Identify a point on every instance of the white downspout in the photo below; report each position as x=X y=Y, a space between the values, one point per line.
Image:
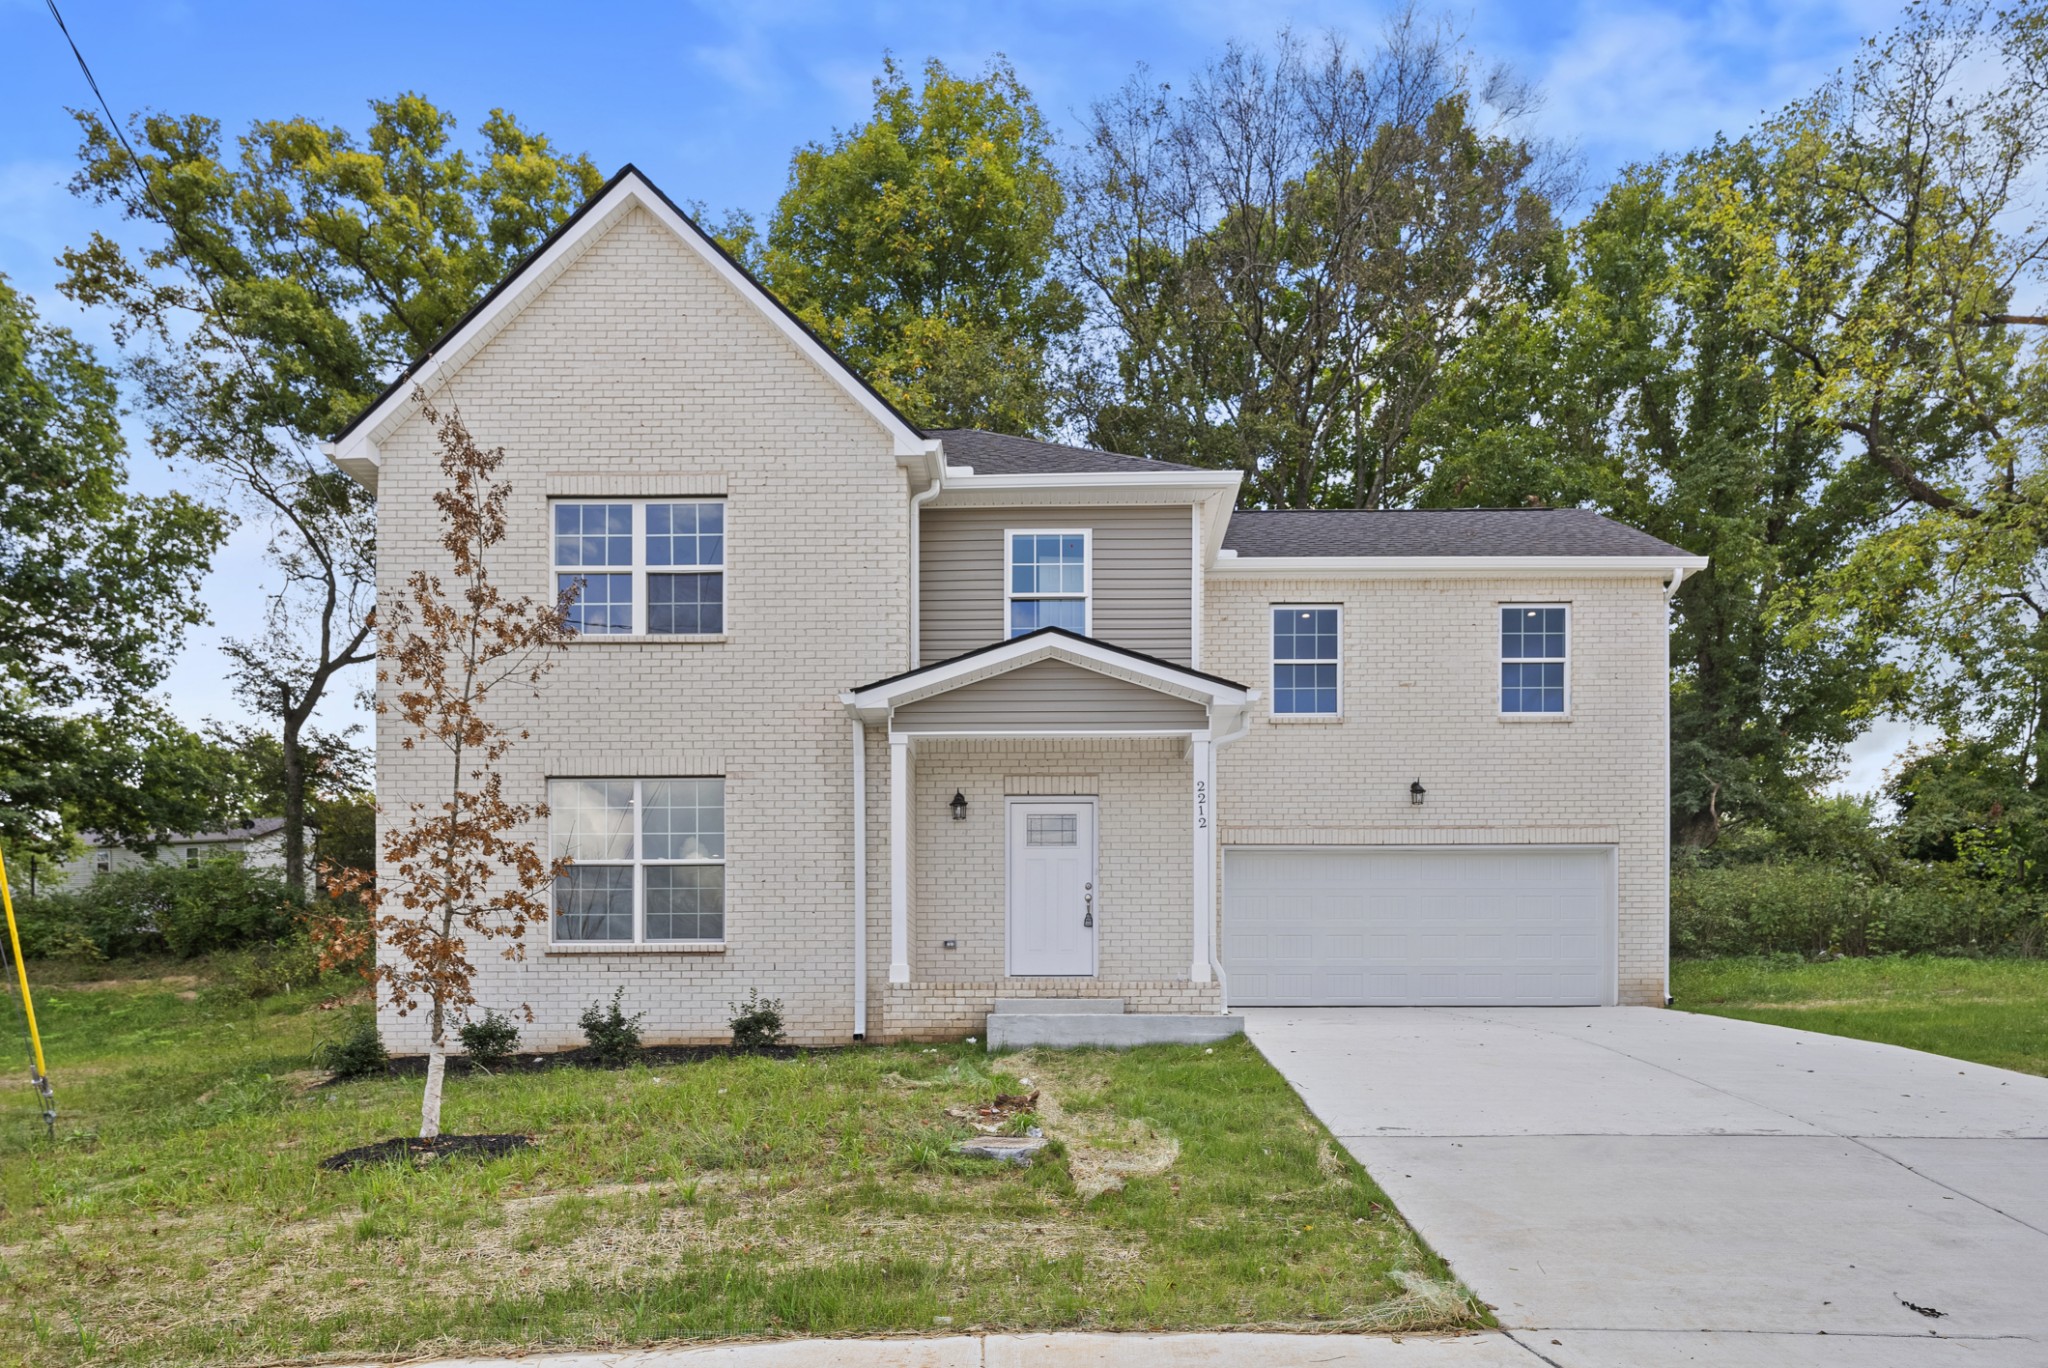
x=860 y=879
x=917 y=503
x=1244 y=726
x=1677 y=578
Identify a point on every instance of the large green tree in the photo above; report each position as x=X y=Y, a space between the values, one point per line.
x=1792 y=351
x=1645 y=389
x=97 y=586
x=918 y=244
x=289 y=276
x=1280 y=262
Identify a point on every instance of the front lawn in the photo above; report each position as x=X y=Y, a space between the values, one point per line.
x=180 y=1215
x=1989 y=1011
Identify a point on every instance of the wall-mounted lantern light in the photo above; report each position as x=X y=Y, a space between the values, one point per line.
x=959 y=806
x=1416 y=792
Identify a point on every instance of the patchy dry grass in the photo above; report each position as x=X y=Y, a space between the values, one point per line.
x=179 y=1216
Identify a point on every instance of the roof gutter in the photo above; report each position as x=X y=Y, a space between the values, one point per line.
x=1229 y=563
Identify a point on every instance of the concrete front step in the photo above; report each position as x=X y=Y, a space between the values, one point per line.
x=1050 y=1006
x=1066 y=1030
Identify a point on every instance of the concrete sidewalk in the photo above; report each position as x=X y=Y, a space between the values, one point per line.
x=1050 y=1351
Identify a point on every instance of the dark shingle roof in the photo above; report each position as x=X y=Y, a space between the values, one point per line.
x=1437 y=532
x=997 y=453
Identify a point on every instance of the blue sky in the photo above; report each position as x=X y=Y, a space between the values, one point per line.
x=710 y=99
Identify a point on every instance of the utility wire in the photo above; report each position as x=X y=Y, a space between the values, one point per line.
x=193 y=249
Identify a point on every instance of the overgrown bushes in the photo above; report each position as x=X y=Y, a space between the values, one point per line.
x=217 y=904
x=1811 y=906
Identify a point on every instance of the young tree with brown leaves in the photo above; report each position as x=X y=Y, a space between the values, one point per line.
x=457 y=871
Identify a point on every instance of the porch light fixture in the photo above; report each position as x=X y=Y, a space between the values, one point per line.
x=959 y=806
x=1416 y=792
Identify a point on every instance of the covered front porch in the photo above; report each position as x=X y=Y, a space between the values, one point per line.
x=1050 y=823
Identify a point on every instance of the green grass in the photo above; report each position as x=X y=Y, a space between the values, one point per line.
x=1990 y=1011
x=180 y=1217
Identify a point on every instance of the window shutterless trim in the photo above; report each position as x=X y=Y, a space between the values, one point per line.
x=1501 y=657
x=1087 y=594
x=638 y=569
x=1277 y=660
x=639 y=863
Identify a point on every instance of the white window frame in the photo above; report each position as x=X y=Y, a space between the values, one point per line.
x=191 y=857
x=1502 y=658
x=639 y=569
x=640 y=864
x=1087 y=595
x=1273 y=674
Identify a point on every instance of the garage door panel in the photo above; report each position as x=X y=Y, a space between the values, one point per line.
x=1357 y=926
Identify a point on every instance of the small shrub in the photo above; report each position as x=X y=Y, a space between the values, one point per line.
x=614 y=1037
x=359 y=1054
x=757 y=1022
x=267 y=970
x=490 y=1041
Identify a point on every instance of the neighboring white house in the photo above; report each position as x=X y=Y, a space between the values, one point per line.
x=259 y=843
x=891 y=724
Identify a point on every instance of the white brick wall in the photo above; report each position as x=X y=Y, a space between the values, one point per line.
x=639 y=372
x=1145 y=885
x=1421 y=701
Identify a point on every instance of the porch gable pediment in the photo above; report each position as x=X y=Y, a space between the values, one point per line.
x=1054 y=669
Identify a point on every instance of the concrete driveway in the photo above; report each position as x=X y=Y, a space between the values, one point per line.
x=1631 y=1188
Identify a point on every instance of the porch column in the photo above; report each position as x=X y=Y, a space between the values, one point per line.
x=1204 y=870
x=899 y=858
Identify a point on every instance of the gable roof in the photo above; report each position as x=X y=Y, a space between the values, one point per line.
x=998 y=453
x=1507 y=532
x=353 y=447
x=1057 y=643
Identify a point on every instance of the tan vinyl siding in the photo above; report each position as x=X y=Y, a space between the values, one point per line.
x=1051 y=694
x=1143 y=570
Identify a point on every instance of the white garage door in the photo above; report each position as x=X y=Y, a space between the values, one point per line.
x=1351 y=926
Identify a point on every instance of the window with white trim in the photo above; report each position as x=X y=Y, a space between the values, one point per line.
x=1306 y=661
x=647 y=860
x=1047 y=581
x=652 y=567
x=1534 y=647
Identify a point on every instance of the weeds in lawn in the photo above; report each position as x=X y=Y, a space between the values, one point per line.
x=739 y=1195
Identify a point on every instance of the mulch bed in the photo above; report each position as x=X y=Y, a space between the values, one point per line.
x=415 y=1066
x=422 y=1152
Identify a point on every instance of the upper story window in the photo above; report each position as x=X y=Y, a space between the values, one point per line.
x=1533 y=655
x=103 y=862
x=191 y=857
x=648 y=859
x=1048 y=581
x=644 y=567
x=1305 y=660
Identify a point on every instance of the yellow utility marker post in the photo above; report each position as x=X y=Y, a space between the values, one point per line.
x=39 y=1074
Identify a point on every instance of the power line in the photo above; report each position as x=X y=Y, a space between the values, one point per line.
x=164 y=215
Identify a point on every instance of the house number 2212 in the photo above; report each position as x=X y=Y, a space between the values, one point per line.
x=1201 y=803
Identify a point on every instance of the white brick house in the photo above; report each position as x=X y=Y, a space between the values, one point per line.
x=891 y=723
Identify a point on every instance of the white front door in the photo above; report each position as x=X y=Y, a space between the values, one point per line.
x=1052 y=887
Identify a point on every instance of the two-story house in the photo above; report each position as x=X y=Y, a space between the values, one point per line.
x=892 y=724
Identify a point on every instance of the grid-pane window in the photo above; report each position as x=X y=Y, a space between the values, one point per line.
x=1305 y=660
x=642 y=567
x=1533 y=656
x=1047 y=584
x=647 y=859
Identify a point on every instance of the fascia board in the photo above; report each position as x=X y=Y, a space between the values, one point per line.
x=1434 y=567
x=632 y=191
x=927 y=684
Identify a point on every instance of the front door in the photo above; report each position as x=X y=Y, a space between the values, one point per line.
x=1052 y=887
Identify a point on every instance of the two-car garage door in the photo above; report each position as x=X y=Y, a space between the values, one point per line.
x=1362 y=926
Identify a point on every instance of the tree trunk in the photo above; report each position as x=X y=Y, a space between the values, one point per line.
x=430 y=1099
x=294 y=800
